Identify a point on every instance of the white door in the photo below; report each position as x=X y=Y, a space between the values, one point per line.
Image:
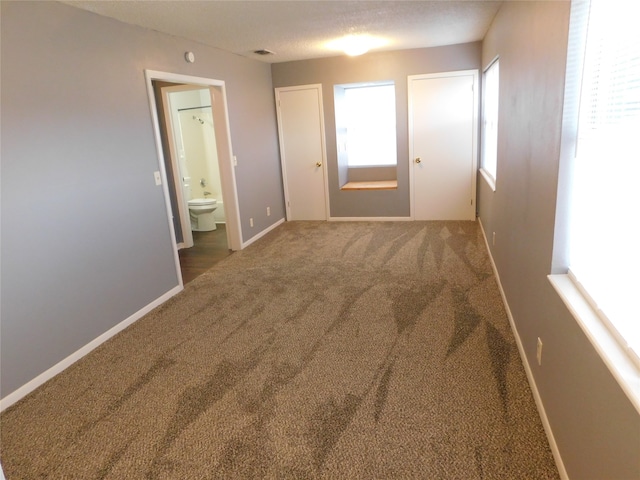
x=443 y=132
x=302 y=151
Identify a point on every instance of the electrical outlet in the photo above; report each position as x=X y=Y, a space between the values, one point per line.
x=251 y=222
x=539 y=351
x=493 y=240
x=268 y=211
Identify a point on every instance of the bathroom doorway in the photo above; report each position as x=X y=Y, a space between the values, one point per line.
x=190 y=153
x=190 y=119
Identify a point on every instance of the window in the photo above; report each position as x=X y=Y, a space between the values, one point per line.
x=490 y=88
x=604 y=252
x=366 y=124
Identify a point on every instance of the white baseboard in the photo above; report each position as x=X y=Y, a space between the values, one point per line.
x=78 y=354
x=532 y=383
x=370 y=219
x=262 y=233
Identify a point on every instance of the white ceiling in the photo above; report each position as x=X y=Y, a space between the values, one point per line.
x=299 y=29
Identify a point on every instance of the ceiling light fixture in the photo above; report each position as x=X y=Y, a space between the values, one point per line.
x=354 y=45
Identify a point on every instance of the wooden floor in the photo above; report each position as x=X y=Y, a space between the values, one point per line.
x=209 y=248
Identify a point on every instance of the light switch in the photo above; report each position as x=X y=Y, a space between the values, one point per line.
x=158 y=178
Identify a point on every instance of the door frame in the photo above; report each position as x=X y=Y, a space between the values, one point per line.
x=318 y=88
x=224 y=146
x=183 y=207
x=474 y=162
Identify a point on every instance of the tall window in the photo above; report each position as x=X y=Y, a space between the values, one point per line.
x=604 y=250
x=490 y=88
x=366 y=123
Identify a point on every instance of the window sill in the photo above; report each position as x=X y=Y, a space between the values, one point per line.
x=376 y=185
x=377 y=165
x=612 y=353
x=489 y=179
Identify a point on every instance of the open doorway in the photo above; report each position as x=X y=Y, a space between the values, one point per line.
x=195 y=156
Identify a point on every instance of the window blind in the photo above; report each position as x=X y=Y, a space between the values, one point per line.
x=605 y=219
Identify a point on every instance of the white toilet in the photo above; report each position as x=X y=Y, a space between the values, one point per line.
x=201 y=214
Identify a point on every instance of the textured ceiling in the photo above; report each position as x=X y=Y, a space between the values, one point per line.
x=297 y=30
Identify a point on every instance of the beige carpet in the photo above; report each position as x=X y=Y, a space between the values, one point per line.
x=341 y=350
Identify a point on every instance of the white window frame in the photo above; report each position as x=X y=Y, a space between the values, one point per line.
x=621 y=361
x=490 y=114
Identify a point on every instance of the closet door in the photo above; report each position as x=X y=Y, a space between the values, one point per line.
x=443 y=131
x=302 y=151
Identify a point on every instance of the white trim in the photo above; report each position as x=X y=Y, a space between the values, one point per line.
x=28 y=387
x=624 y=345
x=262 y=233
x=228 y=182
x=494 y=60
x=488 y=178
x=614 y=356
x=163 y=172
x=370 y=219
x=532 y=383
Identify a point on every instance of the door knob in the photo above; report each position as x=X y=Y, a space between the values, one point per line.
x=417 y=160
x=318 y=164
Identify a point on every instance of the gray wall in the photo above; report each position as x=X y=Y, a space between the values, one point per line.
x=85 y=235
x=394 y=66
x=595 y=425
